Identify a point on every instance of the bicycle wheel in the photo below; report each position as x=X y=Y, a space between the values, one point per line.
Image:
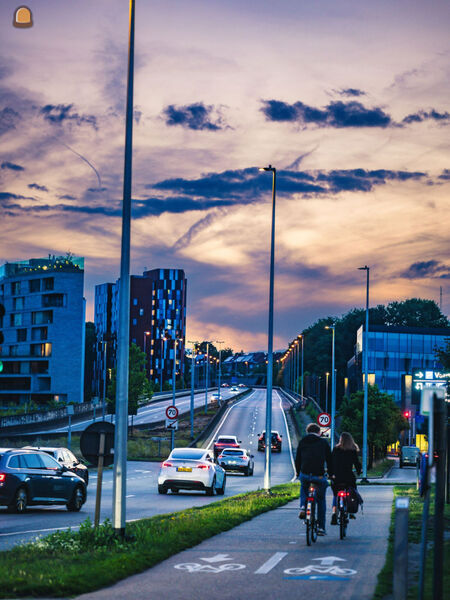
x=314 y=523
x=342 y=523
x=308 y=533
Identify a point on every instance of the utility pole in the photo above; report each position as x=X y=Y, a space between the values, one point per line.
x=366 y=377
x=220 y=370
x=206 y=377
x=194 y=344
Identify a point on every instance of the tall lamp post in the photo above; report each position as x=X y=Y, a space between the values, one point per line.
x=121 y=429
x=161 y=362
x=333 y=384
x=174 y=383
x=326 y=391
x=220 y=369
x=366 y=376
x=194 y=345
x=270 y=336
x=146 y=334
x=303 y=373
x=206 y=376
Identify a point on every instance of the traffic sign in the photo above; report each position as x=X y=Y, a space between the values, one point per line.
x=90 y=442
x=324 y=419
x=172 y=412
x=172 y=424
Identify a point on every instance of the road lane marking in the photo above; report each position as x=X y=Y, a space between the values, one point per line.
x=271 y=563
x=225 y=416
x=217 y=558
x=130 y=496
x=289 y=438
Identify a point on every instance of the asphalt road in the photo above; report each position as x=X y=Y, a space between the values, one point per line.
x=245 y=419
x=267 y=557
x=151 y=413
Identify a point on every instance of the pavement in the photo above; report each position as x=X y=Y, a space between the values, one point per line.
x=267 y=557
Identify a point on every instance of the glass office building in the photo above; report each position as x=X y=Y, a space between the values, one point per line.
x=393 y=354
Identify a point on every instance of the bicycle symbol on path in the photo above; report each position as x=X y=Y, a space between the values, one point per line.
x=197 y=568
x=333 y=570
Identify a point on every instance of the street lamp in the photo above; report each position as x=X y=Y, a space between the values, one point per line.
x=220 y=368
x=206 y=376
x=174 y=381
x=366 y=376
x=270 y=336
x=303 y=339
x=333 y=383
x=326 y=391
x=194 y=346
x=163 y=339
x=121 y=429
x=146 y=333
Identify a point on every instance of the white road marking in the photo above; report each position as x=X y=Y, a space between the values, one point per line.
x=271 y=563
x=217 y=558
x=196 y=567
x=130 y=496
x=289 y=438
x=329 y=560
x=213 y=437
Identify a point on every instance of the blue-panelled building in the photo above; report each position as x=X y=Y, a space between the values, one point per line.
x=157 y=317
x=42 y=331
x=393 y=354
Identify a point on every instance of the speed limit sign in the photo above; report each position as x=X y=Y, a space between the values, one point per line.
x=323 y=419
x=171 y=412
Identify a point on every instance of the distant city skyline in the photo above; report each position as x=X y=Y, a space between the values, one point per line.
x=349 y=100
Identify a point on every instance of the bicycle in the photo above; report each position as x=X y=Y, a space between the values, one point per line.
x=342 y=516
x=311 y=515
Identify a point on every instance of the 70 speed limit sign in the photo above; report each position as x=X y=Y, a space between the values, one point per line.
x=324 y=419
x=171 y=412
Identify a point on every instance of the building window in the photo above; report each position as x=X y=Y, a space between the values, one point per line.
x=41 y=349
x=15 y=288
x=48 y=283
x=34 y=285
x=16 y=320
x=18 y=303
x=53 y=300
x=39 y=366
x=141 y=312
x=134 y=321
x=39 y=333
x=42 y=316
x=21 y=335
x=135 y=301
x=43 y=384
x=13 y=350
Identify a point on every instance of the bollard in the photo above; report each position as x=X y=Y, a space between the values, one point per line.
x=400 y=583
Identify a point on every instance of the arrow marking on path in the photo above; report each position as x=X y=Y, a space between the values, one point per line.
x=327 y=561
x=217 y=558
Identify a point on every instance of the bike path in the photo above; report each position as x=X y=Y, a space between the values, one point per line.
x=267 y=557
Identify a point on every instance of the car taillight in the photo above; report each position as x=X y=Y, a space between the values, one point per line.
x=167 y=464
x=203 y=466
x=2 y=477
x=244 y=457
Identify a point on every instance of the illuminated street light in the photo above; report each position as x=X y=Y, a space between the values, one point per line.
x=333 y=384
x=366 y=377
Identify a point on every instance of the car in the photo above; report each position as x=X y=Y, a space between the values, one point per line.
x=225 y=385
x=31 y=477
x=225 y=441
x=65 y=457
x=236 y=459
x=234 y=389
x=275 y=442
x=191 y=469
x=216 y=396
x=242 y=385
x=409 y=455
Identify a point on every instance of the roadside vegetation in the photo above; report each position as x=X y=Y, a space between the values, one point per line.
x=381 y=467
x=384 y=586
x=73 y=562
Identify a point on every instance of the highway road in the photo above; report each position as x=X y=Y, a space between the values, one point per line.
x=150 y=413
x=245 y=419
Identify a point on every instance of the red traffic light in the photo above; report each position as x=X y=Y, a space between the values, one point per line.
x=406 y=414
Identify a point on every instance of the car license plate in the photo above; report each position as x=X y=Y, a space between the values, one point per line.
x=184 y=469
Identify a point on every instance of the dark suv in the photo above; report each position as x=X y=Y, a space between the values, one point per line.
x=65 y=457
x=28 y=477
x=275 y=441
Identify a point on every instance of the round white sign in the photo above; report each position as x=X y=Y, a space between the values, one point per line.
x=171 y=412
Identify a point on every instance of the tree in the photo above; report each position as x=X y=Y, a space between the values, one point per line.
x=443 y=354
x=138 y=384
x=384 y=421
x=415 y=312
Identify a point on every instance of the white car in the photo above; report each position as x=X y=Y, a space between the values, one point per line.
x=234 y=389
x=216 y=396
x=191 y=469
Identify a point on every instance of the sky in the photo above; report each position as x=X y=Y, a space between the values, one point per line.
x=349 y=100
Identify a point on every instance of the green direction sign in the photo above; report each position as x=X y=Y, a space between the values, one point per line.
x=425 y=382
x=1 y=366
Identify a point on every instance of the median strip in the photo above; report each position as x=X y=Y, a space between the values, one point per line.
x=71 y=562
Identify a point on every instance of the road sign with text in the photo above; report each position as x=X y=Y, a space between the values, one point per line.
x=323 y=419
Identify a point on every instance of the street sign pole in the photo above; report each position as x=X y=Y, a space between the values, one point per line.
x=98 y=495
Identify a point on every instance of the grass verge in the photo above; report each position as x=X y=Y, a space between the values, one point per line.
x=384 y=584
x=381 y=468
x=68 y=563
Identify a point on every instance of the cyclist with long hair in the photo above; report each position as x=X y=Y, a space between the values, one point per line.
x=312 y=454
x=344 y=458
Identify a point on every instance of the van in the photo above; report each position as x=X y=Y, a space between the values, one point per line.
x=409 y=456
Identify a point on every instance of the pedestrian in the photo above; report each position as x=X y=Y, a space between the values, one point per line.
x=344 y=457
x=312 y=454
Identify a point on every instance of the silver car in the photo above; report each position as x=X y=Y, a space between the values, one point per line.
x=191 y=469
x=237 y=460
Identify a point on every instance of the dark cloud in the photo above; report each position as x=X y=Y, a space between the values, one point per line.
x=11 y=166
x=193 y=116
x=39 y=188
x=59 y=113
x=423 y=115
x=352 y=92
x=10 y=196
x=67 y=197
x=95 y=190
x=426 y=269
x=445 y=175
x=336 y=114
x=8 y=119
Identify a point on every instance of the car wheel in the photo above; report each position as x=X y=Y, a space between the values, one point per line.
x=401 y=465
x=247 y=471
x=20 y=502
x=77 y=500
x=210 y=490
x=162 y=489
x=221 y=491
x=251 y=472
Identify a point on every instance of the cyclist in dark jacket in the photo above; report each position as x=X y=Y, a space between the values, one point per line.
x=312 y=454
x=345 y=457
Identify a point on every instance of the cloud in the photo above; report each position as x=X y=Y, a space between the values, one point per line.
x=67 y=197
x=35 y=186
x=10 y=196
x=336 y=114
x=445 y=175
x=8 y=119
x=426 y=269
x=11 y=166
x=352 y=92
x=193 y=116
x=423 y=115
x=59 y=113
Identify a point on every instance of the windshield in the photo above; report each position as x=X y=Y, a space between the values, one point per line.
x=232 y=453
x=226 y=441
x=187 y=453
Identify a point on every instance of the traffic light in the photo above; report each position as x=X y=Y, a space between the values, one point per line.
x=407 y=414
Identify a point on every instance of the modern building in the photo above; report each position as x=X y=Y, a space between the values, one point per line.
x=157 y=317
x=42 y=329
x=394 y=352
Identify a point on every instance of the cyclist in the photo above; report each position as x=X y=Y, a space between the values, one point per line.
x=312 y=454
x=345 y=457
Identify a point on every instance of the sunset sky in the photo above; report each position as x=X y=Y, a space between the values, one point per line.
x=349 y=100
